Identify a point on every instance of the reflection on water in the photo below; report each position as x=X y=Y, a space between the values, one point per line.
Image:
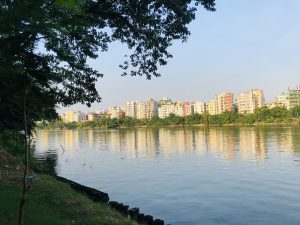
x=187 y=176
x=250 y=143
x=47 y=162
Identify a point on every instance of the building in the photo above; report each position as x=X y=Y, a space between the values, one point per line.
x=165 y=110
x=251 y=100
x=178 y=109
x=114 y=112
x=82 y=116
x=228 y=101
x=140 y=110
x=71 y=116
x=130 y=109
x=259 y=99
x=282 y=100
x=91 y=116
x=212 y=107
x=151 y=108
x=199 y=107
x=244 y=102
x=188 y=109
x=293 y=98
x=271 y=105
x=165 y=101
x=225 y=102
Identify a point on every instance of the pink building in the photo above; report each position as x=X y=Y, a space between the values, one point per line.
x=187 y=109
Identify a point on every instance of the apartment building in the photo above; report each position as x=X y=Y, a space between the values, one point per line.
x=165 y=110
x=188 y=109
x=130 y=109
x=114 y=112
x=259 y=99
x=199 y=107
x=212 y=107
x=179 y=109
x=74 y=116
x=225 y=102
x=251 y=100
x=293 y=98
x=91 y=116
x=141 y=110
x=151 y=108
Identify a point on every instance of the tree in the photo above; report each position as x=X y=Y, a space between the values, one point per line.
x=71 y=31
x=295 y=111
x=45 y=44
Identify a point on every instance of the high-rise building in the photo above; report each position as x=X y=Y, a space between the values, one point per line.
x=178 y=109
x=293 y=98
x=165 y=110
x=229 y=101
x=140 y=110
x=188 y=109
x=199 y=107
x=259 y=99
x=130 y=109
x=212 y=107
x=245 y=102
x=282 y=100
x=114 y=112
x=251 y=100
x=225 y=102
x=151 y=108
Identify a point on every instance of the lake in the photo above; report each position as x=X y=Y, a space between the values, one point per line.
x=198 y=175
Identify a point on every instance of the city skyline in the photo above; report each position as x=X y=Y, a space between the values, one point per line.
x=236 y=48
x=234 y=100
x=245 y=103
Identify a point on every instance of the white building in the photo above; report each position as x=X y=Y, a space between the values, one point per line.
x=140 y=110
x=114 y=112
x=199 y=107
x=282 y=100
x=213 y=107
x=165 y=110
x=251 y=100
x=151 y=108
x=178 y=109
x=130 y=109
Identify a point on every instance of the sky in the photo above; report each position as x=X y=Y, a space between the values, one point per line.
x=243 y=45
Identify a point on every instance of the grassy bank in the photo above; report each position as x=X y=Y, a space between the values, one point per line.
x=50 y=201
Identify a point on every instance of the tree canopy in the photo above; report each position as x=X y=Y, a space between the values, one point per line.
x=45 y=45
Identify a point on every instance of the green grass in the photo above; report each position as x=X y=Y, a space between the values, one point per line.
x=51 y=202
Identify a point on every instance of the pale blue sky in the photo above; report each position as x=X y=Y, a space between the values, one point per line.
x=243 y=45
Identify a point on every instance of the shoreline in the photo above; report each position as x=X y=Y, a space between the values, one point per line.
x=99 y=196
x=60 y=201
x=257 y=124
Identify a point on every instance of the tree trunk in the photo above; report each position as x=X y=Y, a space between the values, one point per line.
x=24 y=191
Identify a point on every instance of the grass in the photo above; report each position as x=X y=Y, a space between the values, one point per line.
x=50 y=201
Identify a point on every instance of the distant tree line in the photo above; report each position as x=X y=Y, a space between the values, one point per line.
x=263 y=115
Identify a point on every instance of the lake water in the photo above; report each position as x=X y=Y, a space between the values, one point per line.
x=193 y=176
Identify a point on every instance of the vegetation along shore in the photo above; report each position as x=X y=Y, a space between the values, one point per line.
x=56 y=199
x=277 y=115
